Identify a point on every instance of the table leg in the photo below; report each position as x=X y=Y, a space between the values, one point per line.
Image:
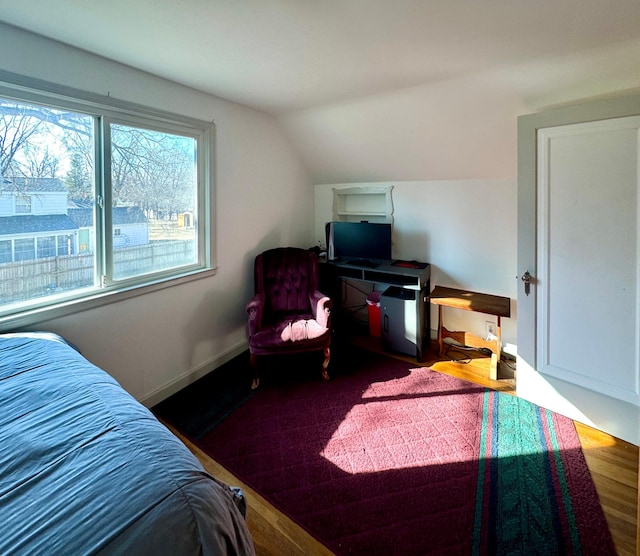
x=440 y=338
x=495 y=356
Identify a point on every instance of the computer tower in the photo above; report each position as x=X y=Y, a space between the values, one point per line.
x=400 y=320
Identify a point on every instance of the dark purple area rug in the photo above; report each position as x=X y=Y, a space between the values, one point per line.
x=393 y=460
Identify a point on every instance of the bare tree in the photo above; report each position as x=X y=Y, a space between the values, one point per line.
x=16 y=129
x=38 y=162
x=153 y=170
x=22 y=125
x=150 y=169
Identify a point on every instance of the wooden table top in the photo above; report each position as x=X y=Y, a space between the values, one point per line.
x=471 y=301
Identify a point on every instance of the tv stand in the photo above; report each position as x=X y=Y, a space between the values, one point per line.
x=332 y=273
x=362 y=262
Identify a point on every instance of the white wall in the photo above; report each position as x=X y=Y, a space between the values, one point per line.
x=155 y=343
x=458 y=129
x=462 y=128
x=466 y=229
x=49 y=203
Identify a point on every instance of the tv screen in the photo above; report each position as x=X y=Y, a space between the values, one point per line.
x=360 y=240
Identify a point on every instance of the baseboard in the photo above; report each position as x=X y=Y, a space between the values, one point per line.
x=182 y=381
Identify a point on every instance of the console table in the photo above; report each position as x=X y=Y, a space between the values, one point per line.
x=417 y=279
x=495 y=305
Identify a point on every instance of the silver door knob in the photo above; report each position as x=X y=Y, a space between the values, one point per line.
x=526 y=279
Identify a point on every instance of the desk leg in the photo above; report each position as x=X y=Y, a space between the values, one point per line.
x=423 y=326
x=440 y=338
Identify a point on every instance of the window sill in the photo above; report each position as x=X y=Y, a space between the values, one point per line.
x=31 y=317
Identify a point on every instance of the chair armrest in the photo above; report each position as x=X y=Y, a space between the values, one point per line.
x=321 y=307
x=255 y=309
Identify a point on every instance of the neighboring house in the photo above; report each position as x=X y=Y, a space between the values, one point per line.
x=130 y=227
x=36 y=222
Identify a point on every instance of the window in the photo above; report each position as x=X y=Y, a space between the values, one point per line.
x=65 y=245
x=46 y=247
x=24 y=251
x=5 y=251
x=149 y=194
x=112 y=182
x=23 y=204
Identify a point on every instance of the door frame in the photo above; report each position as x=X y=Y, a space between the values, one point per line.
x=528 y=379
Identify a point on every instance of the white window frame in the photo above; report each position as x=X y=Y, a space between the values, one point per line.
x=107 y=109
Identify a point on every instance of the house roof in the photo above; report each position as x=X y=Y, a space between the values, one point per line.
x=128 y=215
x=83 y=217
x=32 y=185
x=76 y=218
x=30 y=224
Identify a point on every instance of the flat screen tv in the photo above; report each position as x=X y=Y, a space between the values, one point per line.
x=359 y=241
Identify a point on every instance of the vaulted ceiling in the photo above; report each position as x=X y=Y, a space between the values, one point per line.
x=300 y=58
x=283 y=55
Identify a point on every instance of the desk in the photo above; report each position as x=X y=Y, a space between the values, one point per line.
x=416 y=279
x=477 y=302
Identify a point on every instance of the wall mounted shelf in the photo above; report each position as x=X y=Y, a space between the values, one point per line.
x=370 y=203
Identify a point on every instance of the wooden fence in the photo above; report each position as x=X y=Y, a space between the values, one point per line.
x=24 y=280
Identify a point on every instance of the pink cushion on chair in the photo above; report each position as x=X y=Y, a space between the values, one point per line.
x=302 y=330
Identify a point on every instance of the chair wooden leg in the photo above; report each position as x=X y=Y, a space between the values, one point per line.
x=253 y=360
x=325 y=363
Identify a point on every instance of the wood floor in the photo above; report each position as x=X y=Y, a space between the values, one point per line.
x=612 y=462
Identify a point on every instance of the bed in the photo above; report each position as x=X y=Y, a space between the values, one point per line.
x=86 y=469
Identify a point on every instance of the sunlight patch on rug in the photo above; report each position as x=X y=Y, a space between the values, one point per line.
x=380 y=436
x=397 y=430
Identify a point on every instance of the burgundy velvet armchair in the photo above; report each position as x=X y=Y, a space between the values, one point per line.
x=288 y=314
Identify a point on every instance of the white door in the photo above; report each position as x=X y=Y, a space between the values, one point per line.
x=579 y=327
